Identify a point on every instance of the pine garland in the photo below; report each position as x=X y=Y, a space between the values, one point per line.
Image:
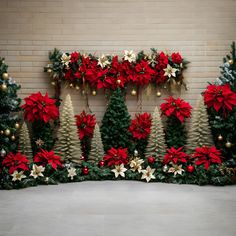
x=156 y=146
x=200 y=132
x=68 y=144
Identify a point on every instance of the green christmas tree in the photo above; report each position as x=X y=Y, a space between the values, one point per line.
x=156 y=146
x=115 y=123
x=97 y=151
x=9 y=106
x=25 y=143
x=200 y=131
x=68 y=144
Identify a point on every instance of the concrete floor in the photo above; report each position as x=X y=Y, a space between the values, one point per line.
x=118 y=209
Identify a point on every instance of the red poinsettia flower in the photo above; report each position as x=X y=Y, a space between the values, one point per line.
x=220 y=97
x=15 y=162
x=116 y=156
x=162 y=62
x=74 y=57
x=207 y=155
x=141 y=126
x=176 y=107
x=176 y=58
x=40 y=108
x=85 y=124
x=175 y=156
x=48 y=157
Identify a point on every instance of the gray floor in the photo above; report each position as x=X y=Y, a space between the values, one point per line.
x=118 y=209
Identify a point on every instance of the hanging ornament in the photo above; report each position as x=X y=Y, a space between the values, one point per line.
x=13 y=137
x=5 y=76
x=53 y=83
x=77 y=87
x=118 y=81
x=71 y=85
x=94 y=92
x=220 y=137
x=228 y=144
x=85 y=170
x=190 y=169
x=151 y=160
x=17 y=125
x=231 y=62
x=3 y=153
x=4 y=87
x=101 y=164
x=7 y=132
x=135 y=153
x=158 y=93
x=133 y=92
x=49 y=70
x=1 y=132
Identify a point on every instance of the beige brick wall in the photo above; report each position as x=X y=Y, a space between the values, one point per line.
x=201 y=30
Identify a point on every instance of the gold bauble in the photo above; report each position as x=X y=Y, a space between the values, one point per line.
x=77 y=87
x=220 y=137
x=231 y=62
x=2 y=132
x=4 y=87
x=71 y=85
x=49 y=70
x=133 y=92
x=228 y=144
x=7 y=132
x=5 y=76
x=118 y=81
x=94 y=92
x=13 y=137
x=17 y=125
x=53 y=83
x=158 y=94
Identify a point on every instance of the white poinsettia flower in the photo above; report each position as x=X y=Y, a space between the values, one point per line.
x=65 y=59
x=71 y=172
x=136 y=164
x=129 y=56
x=103 y=61
x=37 y=171
x=148 y=174
x=119 y=170
x=170 y=71
x=18 y=175
x=176 y=170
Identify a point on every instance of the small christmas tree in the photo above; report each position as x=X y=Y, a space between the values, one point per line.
x=68 y=145
x=9 y=106
x=200 y=131
x=25 y=143
x=97 y=152
x=156 y=146
x=115 y=123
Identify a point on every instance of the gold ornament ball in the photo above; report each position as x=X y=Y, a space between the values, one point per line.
x=5 y=76
x=71 y=85
x=94 y=92
x=17 y=125
x=228 y=144
x=4 y=87
x=220 y=137
x=118 y=81
x=77 y=87
x=231 y=62
x=13 y=137
x=133 y=92
x=7 y=132
x=53 y=83
x=49 y=70
x=158 y=93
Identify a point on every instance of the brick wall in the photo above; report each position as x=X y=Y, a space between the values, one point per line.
x=201 y=30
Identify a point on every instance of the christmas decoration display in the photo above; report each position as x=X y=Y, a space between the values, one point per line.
x=9 y=106
x=115 y=123
x=25 y=143
x=68 y=145
x=200 y=131
x=97 y=151
x=156 y=146
x=176 y=111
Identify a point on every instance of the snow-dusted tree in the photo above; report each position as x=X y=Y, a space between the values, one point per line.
x=68 y=144
x=156 y=146
x=25 y=143
x=200 y=132
x=97 y=151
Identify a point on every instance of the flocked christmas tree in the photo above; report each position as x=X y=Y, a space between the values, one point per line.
x=24 y=142
x=68 y=144
x=115 y=123
x=97 y=151
x=156 y=146
x=9 y=106
x=200 y=131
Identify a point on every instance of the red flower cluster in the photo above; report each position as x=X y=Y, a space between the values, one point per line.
x=116 y=156
x=207 y=156
x=48 y=157
x=40 y=108
x=141 y=126
x=176 y=58
x=177 y=108
x=85 y=124
x=175 y=156
x=15 y=162
x=220 y=97
x=162 y=62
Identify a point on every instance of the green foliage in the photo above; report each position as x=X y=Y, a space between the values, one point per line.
x=115 y=123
